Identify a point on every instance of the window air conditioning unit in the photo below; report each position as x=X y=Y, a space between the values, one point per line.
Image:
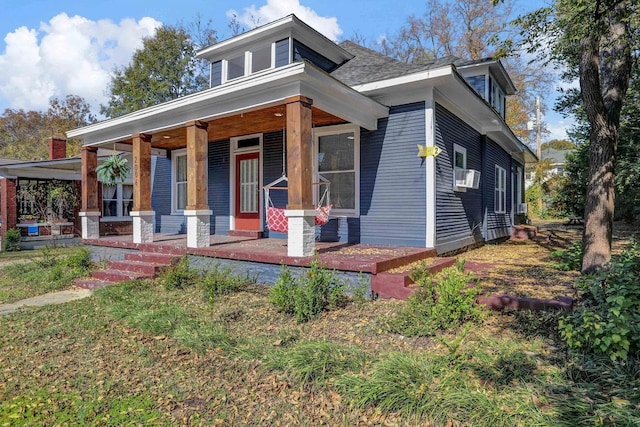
x=523 y=208
x=467 y=178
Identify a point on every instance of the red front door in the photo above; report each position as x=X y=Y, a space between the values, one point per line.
x=248 y=191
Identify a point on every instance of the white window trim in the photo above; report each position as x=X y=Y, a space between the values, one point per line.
x=119 y=204
x=174 y=185
x=234 y=150
x=458 y=149
x=248 y=63
x=502 y=192
x=332 y=130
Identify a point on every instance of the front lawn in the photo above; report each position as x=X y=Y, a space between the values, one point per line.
x=190 y=349
x=25 y=274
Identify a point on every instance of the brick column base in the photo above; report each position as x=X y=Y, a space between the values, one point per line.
x=143 y=226
x=90 y=222
x=301 y=238
x=198 y=227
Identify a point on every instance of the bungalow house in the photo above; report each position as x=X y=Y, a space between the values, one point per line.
x=416 y=155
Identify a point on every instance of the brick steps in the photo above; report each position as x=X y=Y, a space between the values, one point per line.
x=399 y=285
x=136 y=265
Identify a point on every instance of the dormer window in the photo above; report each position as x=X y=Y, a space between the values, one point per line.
x=248 y=62
x=261 y=59
x=235 y=67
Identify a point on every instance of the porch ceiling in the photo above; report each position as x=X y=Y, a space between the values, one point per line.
x=240 y=107
x=258 y=121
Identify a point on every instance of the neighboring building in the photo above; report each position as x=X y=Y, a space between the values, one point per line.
x=557 y=160
x=349 y=114
x=15 y=212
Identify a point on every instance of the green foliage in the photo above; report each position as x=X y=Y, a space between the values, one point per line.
x=23 y=134
x=164 y=68
x=53 y=199
x=180 y=276
x=307 y=296
x=442 y=302
x=558 y=144
x=607 y=319
x=222 y=281
x=314 y=362
x=11 y=240
x=54 y=270
x=113 y=170
x=570 y=258
x=433 y=387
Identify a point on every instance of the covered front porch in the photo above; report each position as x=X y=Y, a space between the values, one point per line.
x=359 y=258
x=293 y=100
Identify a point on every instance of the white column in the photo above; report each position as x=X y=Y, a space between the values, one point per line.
x=90 y=223
x=198 y=227
x=430 y=169
x=143 y=226
x=301 y=237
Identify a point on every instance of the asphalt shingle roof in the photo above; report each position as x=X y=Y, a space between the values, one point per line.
x=370 y=66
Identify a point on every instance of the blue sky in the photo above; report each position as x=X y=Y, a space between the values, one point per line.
x=55 y=47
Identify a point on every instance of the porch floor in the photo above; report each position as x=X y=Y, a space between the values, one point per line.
x=340 y=256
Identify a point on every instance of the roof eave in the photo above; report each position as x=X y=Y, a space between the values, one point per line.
x=246 y=94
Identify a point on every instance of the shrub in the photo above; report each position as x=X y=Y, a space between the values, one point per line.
x=180 y=276
x=570 y=258
x=307 y=296
x=11 y=240
x=443 y=301
x=607 y=321
x=222 y=281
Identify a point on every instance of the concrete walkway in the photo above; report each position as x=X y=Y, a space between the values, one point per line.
x=46 y=299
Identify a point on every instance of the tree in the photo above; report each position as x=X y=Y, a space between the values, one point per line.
x=471 y=29
x=24 y=134
x=165 y=68
x=558 y=144
x=596 y=41
x=570 y=196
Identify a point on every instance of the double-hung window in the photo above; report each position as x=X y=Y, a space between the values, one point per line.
x=459 y=163
x=337 y=150
x=117 y=200
x=500 y=200
x=179 y=178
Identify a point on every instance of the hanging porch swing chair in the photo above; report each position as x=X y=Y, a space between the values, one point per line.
x=278 y=221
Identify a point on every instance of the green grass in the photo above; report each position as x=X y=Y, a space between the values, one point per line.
x=314 y=362
x=46 y=271
x=139 y=353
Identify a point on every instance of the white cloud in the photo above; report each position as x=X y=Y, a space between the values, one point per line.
x=253 y=16
x=67 y=55
x=558 y=129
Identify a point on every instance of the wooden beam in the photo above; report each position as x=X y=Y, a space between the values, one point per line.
x=89 y=158
x=299 y=154
x=197 y=175
x=141 y=172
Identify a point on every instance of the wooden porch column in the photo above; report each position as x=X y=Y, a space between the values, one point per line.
x=142 y=211
x=90 y=213
x=300 y=211
x=197 y=209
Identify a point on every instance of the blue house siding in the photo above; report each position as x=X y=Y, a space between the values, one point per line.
x=282 y=52
x=458 y=214
x=272 y=170
x=216 y=73
x=301 y=51
x=218 y=192
x=496 y=225
x=161 y=192
x=393 y=180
